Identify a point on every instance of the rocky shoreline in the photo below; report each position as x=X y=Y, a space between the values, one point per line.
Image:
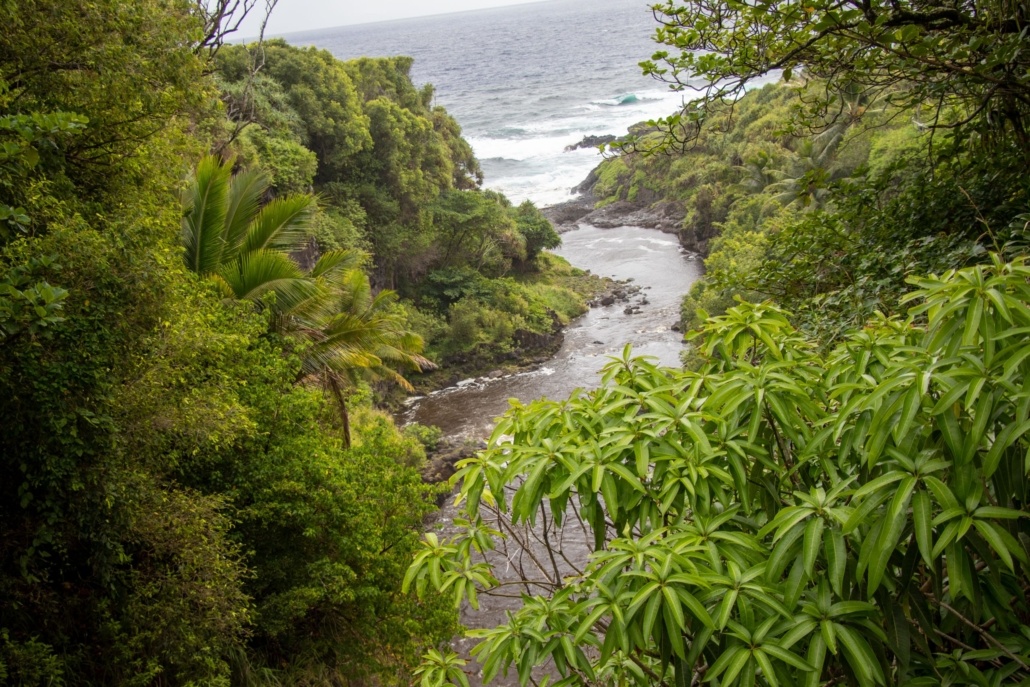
x=647 y=210
x=665 y=217
x=440 y=462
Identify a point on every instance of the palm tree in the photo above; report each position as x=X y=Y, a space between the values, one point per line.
x=807 y=181
x=757 y=172
x=355 y=334
x=240 y=244
x=244 y=246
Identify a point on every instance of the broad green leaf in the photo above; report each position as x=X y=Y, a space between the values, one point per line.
x=921 y=524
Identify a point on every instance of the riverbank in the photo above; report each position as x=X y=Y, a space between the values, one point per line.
x=536 y=307
x=647 y=210
x=648 y=273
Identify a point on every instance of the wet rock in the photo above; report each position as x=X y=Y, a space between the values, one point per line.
x=608 y=300
x=599 y=343
x=496 y=374
x=590 y=142
x=566 y=216
x=440 y=464
x=675 y=326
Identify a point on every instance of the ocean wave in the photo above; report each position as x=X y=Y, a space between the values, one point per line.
x=623 y=100
x=544 y=187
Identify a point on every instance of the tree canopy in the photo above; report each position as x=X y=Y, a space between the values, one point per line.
x=177 y=503
x=956 y=64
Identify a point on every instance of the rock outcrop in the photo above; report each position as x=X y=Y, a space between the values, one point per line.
x=590 y=142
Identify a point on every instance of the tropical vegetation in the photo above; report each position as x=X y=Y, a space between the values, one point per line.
x=196 y=486
x=216 y=260
x=831 y=490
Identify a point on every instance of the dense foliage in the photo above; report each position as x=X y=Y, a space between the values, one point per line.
x=957 y=65
x=833 y=489
x=403 y=185
x=778 y=516
x=179 y=502
x=195 y=488
x=829 y=223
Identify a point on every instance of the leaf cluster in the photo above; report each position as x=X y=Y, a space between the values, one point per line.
x=780 y=515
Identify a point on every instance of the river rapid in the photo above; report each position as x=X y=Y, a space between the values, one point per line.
x=653 y=260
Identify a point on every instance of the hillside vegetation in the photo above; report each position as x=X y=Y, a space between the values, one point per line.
x=827 y=216
x=833 y=488
x=216 y=259
x=396 y=179
x=213 y=261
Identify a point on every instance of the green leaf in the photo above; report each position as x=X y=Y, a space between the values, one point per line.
x=921 y=523
x=836 y=559
x=883 y=550
x=787 y=657
x=860 y=657
x=992 y=537
x=812 y=543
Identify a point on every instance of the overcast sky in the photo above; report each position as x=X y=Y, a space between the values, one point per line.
x=303 y=15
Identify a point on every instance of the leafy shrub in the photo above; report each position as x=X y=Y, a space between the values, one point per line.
x=427 y=435
x=780 y=516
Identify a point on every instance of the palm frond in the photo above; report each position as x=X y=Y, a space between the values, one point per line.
x=337 y=274
x=223 y=287
x=314 y=312
x=335 y=262
x=353 y=329
x=245 y=194
x=204 y=207
x=344 y=356
x=400 y=356
x=353 y=292
x=253 y=275
x=281 y=225
x=395 y=377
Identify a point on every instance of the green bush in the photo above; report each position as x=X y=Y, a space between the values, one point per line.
x=779 y=516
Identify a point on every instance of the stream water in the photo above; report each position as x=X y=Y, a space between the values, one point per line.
x=655 y=263
x=664 y=272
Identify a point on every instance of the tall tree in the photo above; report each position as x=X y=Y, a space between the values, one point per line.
x=355 y=334
x=964 y=61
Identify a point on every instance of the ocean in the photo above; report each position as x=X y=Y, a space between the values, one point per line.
x=526 y=81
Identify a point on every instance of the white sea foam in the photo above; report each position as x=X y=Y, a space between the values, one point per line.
x=533 y=164
x=520 y=149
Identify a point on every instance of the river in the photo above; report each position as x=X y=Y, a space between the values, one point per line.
x=664 y=272
x=655 y=263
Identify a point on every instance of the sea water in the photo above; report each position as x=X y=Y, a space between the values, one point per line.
x=526 y=81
